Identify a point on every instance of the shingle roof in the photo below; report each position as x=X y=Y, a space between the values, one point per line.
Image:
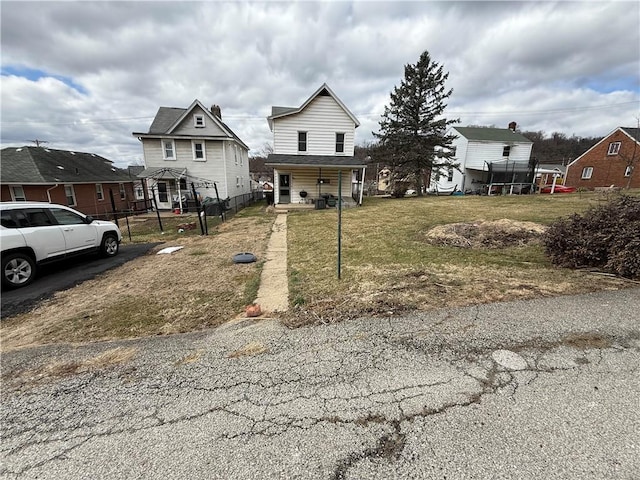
x=491 y=134
x=33 y=165
x=165 y=118
x=313 y=160
x=632 y=132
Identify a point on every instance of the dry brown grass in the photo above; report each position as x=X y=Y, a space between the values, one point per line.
x=405 y=254
x=249 y=350
x=198 y=286
x=63 y=368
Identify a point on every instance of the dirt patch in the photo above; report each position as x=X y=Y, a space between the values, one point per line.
x=486 y=234
x=249 y=350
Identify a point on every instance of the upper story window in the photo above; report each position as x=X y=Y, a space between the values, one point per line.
x=99 y=191
x=450 y=174
x=198 y=121
x=71 y=195
x=628 y=170
x=302 y=141
x=614 y=148
x=506 y=151
x=199 y=153
x=17 y=193
x=587 y=172
x=339 y=142
x=168 y=150
x=123 y=192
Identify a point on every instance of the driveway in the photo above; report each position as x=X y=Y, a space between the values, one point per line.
x=66 y=274
x=536 y=389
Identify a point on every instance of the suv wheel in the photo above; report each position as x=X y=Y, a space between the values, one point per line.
x=18 y=270
x=109 y=246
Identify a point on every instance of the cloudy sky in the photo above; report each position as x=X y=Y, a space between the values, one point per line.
x=84 y=75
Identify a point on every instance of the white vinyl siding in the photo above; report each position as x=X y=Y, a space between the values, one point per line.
x=320 y=119
x=478 y=154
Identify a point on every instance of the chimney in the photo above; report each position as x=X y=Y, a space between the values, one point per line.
x=215 y=109
x=512 y=126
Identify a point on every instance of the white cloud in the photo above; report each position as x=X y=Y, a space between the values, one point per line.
x=544 y=65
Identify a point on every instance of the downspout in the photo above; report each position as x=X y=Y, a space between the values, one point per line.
x=49 y=189
x=224 y=165
x=362 y=184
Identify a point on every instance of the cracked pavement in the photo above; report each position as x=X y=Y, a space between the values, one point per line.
x=547 y=388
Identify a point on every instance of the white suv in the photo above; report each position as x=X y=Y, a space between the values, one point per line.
x=32 y=233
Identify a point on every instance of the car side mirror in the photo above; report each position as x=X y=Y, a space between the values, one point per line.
x=88 y=219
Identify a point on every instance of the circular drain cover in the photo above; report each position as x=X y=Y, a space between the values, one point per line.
x=244 y=258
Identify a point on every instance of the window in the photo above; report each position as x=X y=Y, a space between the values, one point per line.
x=450 y=174
x=168 y=150
x=123 y=192
x=99 y=191
x=628 y=170
x=17 y=194
x=614 y=148
x=198 y=150
x=238 y=182
x=339 y=142
x=36 y=217
x=235 y=153
x=506 y=151
x=198 y=121
x=65 y=217
x=139 y=193
x=302 y=141
x=71 y=195
x=587 y=172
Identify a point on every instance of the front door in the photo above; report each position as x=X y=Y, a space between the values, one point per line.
x=285 y=189
x=163 y=195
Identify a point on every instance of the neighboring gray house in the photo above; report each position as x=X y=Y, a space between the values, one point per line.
x=193 y=145
x=311 y=144
x=491 y=159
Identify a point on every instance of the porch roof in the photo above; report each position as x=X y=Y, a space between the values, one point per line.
x=276 y=159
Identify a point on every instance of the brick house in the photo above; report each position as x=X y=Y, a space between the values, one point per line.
x=80 y=180
x=609 y=162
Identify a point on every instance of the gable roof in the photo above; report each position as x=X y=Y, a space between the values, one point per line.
x=633 y=133
x=167 y=119
x=491 y=134
x=34 y=165
x=279 y=112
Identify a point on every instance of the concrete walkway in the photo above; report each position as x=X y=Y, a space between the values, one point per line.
x=273 y=294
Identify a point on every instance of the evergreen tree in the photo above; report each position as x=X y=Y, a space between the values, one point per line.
x=412 y=130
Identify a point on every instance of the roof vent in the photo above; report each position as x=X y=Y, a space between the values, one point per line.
x=72 y=153
x=47 y=150
x=18 y=149
x=60 y=167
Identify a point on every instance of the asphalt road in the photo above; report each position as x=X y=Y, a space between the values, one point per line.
x=62 y=275
x=539 y=389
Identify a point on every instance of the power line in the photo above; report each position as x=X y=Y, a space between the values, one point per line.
x=367 y=115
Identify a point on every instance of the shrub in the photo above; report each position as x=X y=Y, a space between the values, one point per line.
x=606 y=237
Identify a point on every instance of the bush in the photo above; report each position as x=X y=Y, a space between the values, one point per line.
x=606 y=237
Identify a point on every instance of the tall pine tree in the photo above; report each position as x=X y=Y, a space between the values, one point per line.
x=412 y=132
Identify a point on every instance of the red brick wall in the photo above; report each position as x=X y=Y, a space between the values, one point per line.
x=86 y=199
x=607 y=169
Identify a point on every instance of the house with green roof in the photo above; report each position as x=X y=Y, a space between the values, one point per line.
x=492 y=160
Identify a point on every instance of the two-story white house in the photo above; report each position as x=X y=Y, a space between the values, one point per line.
x=312 y=144
x=491 y=160
x=186 y=146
